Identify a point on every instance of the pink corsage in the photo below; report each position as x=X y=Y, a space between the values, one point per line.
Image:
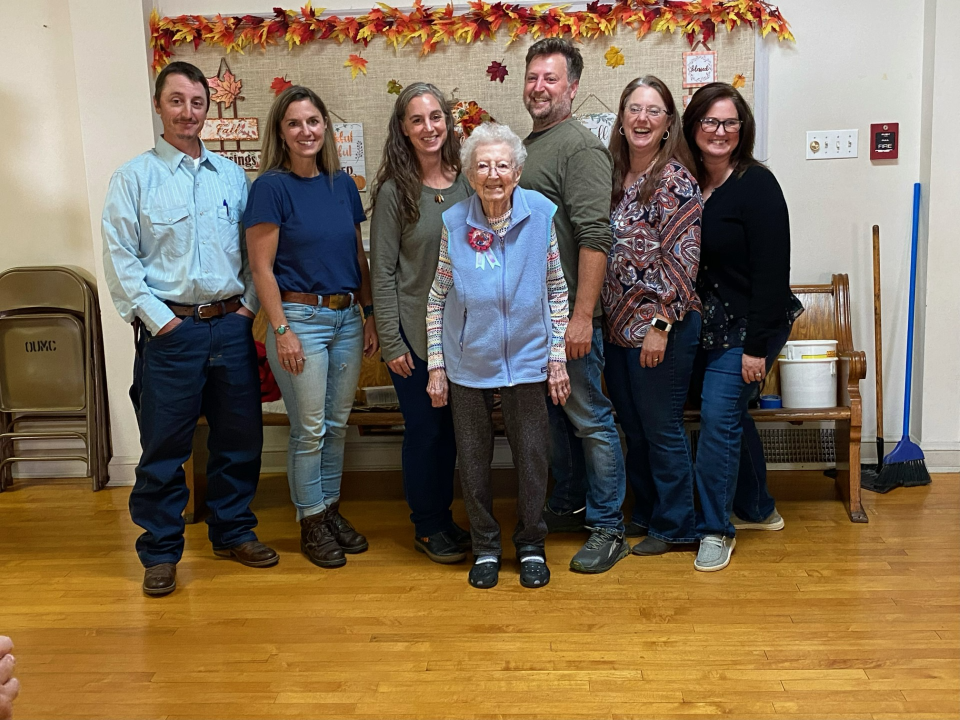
x=479 y=240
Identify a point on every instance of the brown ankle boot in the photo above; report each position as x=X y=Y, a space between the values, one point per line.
x=318 y=541
x=349 y=539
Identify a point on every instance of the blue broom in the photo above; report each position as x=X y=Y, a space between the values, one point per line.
x=904 y=466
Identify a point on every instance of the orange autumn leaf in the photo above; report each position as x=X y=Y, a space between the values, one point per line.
x=225 y=90
x=357 y=65
x=614 y=57
x=739 y=80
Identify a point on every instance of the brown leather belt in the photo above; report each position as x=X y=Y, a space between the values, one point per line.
x=334 y=302
x=207 y=310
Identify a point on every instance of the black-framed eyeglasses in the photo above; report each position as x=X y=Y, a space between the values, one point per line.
x=710 y=125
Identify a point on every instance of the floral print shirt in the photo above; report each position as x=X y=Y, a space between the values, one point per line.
x=652 y=267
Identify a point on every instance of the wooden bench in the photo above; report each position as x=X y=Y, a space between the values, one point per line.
x=826 y=317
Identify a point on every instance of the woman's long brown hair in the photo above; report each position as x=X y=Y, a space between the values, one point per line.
x=399 y=161
x=274 y=154
x=674 y=147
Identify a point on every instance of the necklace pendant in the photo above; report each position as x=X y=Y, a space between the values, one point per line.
x=438 y=198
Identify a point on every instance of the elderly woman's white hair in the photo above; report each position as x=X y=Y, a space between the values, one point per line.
x=490 y=133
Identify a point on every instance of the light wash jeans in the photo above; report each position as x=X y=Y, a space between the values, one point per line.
x=318 y=400
x=585 y=454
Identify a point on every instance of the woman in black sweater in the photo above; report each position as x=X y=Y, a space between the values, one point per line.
x=748 y=310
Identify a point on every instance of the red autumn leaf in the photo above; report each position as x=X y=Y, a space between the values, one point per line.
x=598 y=9
x=280 y=84
x=497 y=71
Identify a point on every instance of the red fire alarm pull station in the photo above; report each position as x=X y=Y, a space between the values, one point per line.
x=883 y=141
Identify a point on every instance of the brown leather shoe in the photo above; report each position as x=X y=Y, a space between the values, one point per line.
x=318 y=541
x=160 y=580
x=347 y=538
x=252 y=553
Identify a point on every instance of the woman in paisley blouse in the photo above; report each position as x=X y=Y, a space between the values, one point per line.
x=651 y=310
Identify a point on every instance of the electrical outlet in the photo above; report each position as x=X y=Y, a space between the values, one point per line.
x=831 y=144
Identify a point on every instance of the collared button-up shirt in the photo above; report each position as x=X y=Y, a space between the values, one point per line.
x=171 y=232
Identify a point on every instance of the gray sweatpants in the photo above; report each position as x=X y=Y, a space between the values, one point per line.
x=525 y=419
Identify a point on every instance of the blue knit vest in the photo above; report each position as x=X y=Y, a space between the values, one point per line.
x=496 y=321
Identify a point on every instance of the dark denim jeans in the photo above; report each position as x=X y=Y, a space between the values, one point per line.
x=731 y=471
x=649 y=403
x=201 y=366
x=429 y=451
x=585 y=453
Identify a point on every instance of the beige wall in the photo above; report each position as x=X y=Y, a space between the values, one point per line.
x=43 y=188
x=84 y=109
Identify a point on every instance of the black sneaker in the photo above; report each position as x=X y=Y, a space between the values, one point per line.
x=440 y=548
x=460 y=536
x=602 y=551
x=566 y=522
x=634 y=530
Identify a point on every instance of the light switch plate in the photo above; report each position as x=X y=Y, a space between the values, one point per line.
x=831 y=144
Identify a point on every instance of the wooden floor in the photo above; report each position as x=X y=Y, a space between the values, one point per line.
x=824 y=619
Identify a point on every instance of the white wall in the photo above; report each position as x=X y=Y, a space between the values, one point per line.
x=80 y=107
x=43 y=188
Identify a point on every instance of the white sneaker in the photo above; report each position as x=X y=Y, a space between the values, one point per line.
x=772 y=522
x=715 y=552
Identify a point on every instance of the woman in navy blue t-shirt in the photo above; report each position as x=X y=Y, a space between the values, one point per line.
x=303 y=237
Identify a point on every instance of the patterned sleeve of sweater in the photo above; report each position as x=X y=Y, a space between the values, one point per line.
x=442 y=283
x=557 y=295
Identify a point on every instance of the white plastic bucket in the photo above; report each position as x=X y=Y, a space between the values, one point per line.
x=809 y=349
x=809 y=383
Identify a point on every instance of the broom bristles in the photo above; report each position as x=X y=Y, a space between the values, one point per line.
x=903 y=467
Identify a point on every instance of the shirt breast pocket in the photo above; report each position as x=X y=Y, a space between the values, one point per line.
x=228 y=225
x=172 y=229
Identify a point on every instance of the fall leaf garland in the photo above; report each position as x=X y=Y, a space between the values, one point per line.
x=695 y=19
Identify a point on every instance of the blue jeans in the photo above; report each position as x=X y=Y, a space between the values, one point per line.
x=649 y=403
x=731 y=471
x=318 y=400
x=201 y=366
x=585 y=454
x=429 y=451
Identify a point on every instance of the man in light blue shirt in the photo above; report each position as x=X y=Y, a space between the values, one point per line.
x=175 y=263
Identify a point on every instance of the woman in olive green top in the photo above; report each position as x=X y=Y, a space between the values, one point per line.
x=419 y=178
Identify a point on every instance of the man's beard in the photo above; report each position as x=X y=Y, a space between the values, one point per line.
x=554 y=113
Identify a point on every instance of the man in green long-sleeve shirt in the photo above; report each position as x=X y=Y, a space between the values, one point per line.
x=572 y=167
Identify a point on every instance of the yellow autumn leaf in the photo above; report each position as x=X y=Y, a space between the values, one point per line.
x=739 y=80
x=614 y=57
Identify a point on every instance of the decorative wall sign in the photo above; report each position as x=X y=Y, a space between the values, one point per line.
x=600 y=124
x=349 y=137
x=225 y=88
x=699 y=68
x=239 y=129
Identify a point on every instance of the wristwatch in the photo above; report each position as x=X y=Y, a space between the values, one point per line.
x=367 y=311
x=661 y=324
x=281 y=329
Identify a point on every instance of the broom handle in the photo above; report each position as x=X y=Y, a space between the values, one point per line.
x=914 y=241
x=877 y=333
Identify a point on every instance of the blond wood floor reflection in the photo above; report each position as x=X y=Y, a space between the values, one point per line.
x=824 y=619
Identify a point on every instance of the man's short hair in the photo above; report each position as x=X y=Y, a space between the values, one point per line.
x=559 y=46
x=190 y=72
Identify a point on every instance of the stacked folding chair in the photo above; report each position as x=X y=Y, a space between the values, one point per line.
x=52 y=369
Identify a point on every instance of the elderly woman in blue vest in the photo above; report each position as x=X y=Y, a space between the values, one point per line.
x=496 y=318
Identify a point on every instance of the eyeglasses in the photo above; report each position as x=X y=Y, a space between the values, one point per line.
x=710 y=125
x=501 y=168
x=653 y=111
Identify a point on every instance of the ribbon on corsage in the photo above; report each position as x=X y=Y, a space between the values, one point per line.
x=482 y=241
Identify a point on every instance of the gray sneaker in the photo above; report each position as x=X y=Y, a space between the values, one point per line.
x=773 y=521
x=715 y=552
x=564 y=522
x=602 y=551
